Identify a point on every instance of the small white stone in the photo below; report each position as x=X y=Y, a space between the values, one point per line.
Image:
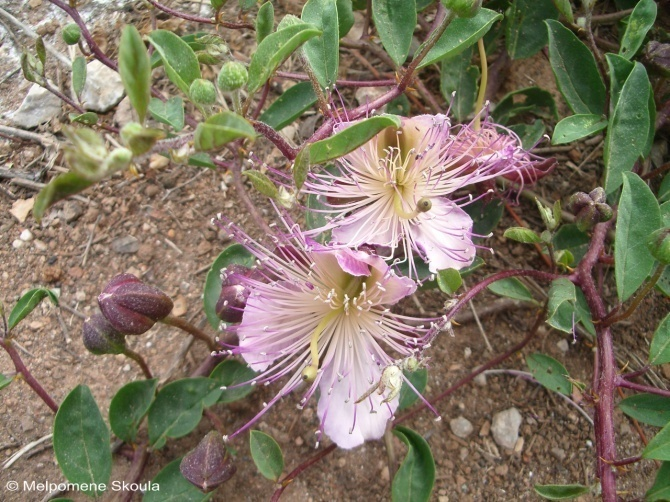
x=80 y=296
x=480 y=380
x=26 y=235
x=17 y=244
x=461 y=427
x=505 y=427
x=40 y=245
x=126 y=368
x=467 y=352
x=563 y=345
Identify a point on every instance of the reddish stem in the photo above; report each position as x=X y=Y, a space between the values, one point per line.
x=302 y=467
x=340 y=83
x=282 y=145
x=27 y=376
x=198 y=19
x=622 y=382
x=140 y=457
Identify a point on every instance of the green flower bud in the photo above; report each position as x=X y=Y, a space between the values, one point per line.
x=232 y=76
x=659 y=245
x=463 y=8
x=203 y=92
x=71 y=34
x=100 y=337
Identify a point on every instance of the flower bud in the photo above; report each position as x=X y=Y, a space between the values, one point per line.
x=578 y=201
x=131 y=306
x=71 y=34
x=657 y=55
x=232 y=76
x=463 y=8
x=233 y=297
x=208 y=465
x=100 y=337
x=659 y=245
x=202 y=92
x=598 y=195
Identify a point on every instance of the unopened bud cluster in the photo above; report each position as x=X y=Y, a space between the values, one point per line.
x=590 y=209
x=233 y=297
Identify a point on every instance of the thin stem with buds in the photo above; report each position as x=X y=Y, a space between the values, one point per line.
x=140 y=361
x=184 y=325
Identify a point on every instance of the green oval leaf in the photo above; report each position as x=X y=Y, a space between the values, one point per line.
x=274 y=49
x=395 y=21
x=220 y=129
x=449 y=280
x=530 y=99
x=525 y=34
x=659 y=446
x=660 y=492
x=267 y=455
x=177 y=409
x=135 y=70
x=647 y=408
x=169 y=485
x=128 y=407
x=289 y=106
x=345 y=16
x=461 y=34
x=416 y=475
x=638 y=216
x=179 y=59
x=301 y=168
x=458 y=84
x=4 y=381
x=323 y=52
x=78 y=75
x=262 y=183
x=511 y=288
x=659 y=351
x=639 y=23
x=561 y=492
x=88 y=118
x=522 y=234
x=577 y=127
x=407 y=396
x=575 y=70
x=27 y=304
x=550 y=373
x=233 y=254
x=81 y=441
x=231 y=373
x=560 y=308
x=264 y=21
x=350 y=138
x=59 y=188
x=171 y=112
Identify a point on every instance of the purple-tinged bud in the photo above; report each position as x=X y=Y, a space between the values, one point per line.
x=208 y=465
x=231 y=303
x=131 y=306
x=659 y=245
x=657 y=56
x=234 y=274
x=578 y=201
x=587 y=218
x=100 y=337
x=598 y=195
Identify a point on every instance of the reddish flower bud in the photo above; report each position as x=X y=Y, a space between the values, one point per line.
x=131 y=306
x=100 y=337
x=208 y=465
x=231 y=303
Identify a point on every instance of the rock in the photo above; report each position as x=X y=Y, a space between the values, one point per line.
x=17 y=244
x=80 y=296
x=72 y=211
x=151 y=190
x=505 y=427
x=461 y=427
x=126 y=245
x=480 y=380
x=21 y=208
x=563 y=345
x=40 y=245
x=103 y=89
x=38 y=106
x=558 y=453
x=26 y=235
x=124 y=113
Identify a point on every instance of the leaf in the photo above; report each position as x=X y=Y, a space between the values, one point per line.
x=129 y=406
x=534 y=99
x=4 y=381
x=169 y=485
x=661 y=490
x=180 y=62
x=233 y=254
x=267 y=455
x=561 y=492
x=522 y=234
x=274 y=49
x=575 y=70
x=416 y=476
x=171 y=112
x=529 y=134
x=659 y=352
x=525 y=34
x=395 y=21
x=638 y=216
x=59 y=188
x=78 y=75
x=220 y=129
x=289 y=106
x=135 y=70
x=511 y=288
x=664 y=189
x=345 y=16
x=407 y=396
x=230 y=374
x=88 y=118
x=639 y=23
x=177 y=409
x=461 y=34
x=301 y=168
x=27 y=304
x=629 y=128
x=81 y=441
x=565 y=8
x=485 y=214
x=647 y=408
x=350 y=138
x=399 y=106
x=659 y=446
x=265 y=20
x=458 y=84
x=550 y=373
x=449 y=280
x=570 y=238
x=201 y=159
x=323 y=52
x=577 y=127
x=262 y=183
x=41 y=50
x=562 y=291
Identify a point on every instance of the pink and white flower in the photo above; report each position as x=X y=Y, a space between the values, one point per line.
x=397 y=190
x=321 y=317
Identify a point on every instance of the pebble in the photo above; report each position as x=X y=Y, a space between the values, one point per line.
x=103 y=88
x=505 y=427
x=17 y=244
x=563 y=345
x=385 y=475
x=126 y=245
x=26 y=235
x=151 y=190
x=72 y=211
x=461 y=427
x=40 y=245
x=558 y=453
x=486 y=428
x=80 y=296
x=126 y=368
x=299 y=441
x=480 y=380
x=38 y=106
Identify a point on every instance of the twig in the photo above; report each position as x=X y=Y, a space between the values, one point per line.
x=10 y=461
x=36 y=185
x=479 y=325
x=29 y=32
x=172 y=245
x=73 y=311
x=43 y=139
x=90 y=240
x=182 y=185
